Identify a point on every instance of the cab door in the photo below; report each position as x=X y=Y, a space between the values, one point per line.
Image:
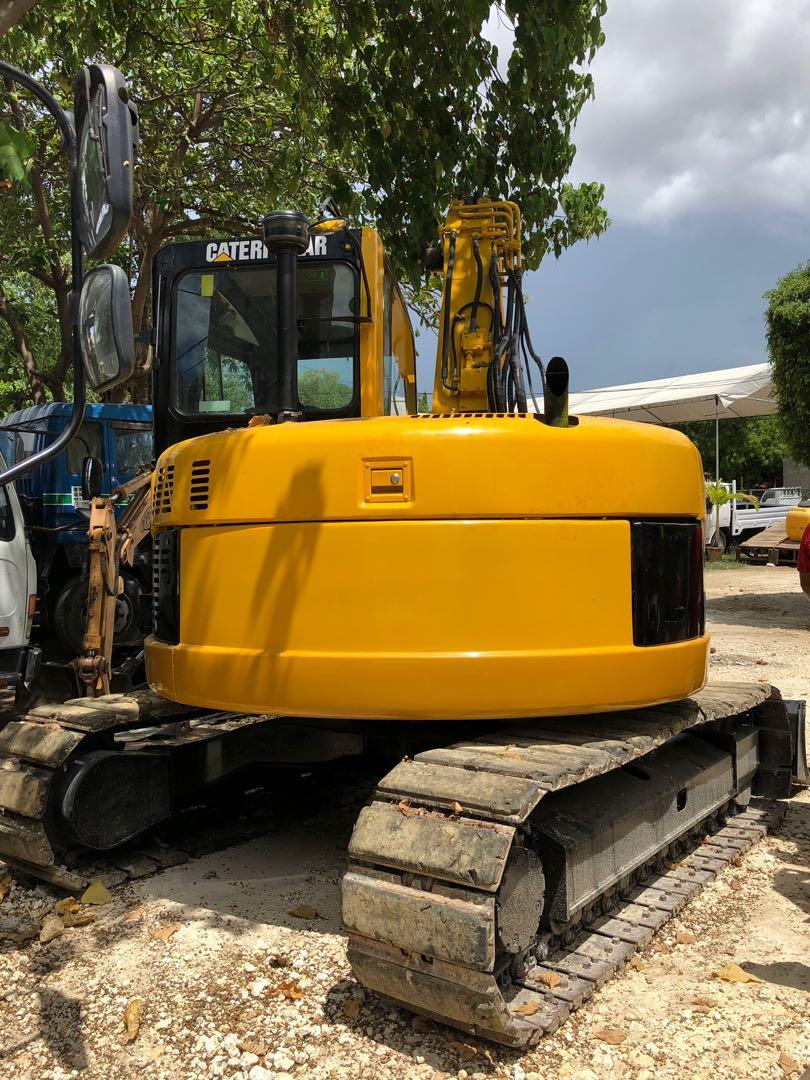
x=17 y=574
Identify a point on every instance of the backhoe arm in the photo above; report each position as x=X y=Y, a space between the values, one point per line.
x=481 y=318
x=111 y=545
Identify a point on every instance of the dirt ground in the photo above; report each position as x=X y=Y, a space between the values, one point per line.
x=240 y=967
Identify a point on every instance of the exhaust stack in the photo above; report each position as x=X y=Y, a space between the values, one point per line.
x=286 y=235
x=555 y=402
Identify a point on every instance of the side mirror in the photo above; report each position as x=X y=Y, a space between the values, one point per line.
x=92 y=478
x=107 y=137
x=105 y=328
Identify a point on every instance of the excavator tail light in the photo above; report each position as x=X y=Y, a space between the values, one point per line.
x=166 y=586
x=667 y=573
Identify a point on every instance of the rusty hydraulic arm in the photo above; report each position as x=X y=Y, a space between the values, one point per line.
x=112 y=544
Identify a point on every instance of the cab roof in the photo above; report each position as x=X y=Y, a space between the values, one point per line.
x=39 y=415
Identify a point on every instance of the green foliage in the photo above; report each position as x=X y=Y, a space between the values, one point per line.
x=727 y=561
x=751 y=451
x=320 y=388
x=719 y=496
x=788 y=321
x=34 y=304
x=15 y=156
x=247 y=105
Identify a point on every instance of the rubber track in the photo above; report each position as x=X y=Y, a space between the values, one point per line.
x=430 y=862
x=34 y=752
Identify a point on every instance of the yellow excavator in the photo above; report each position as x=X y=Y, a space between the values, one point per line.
x=508 y=601
x=798 y=519
x=378 y=567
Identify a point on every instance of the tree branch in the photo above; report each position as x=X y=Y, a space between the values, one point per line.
x=11 y=11
x=36 y=380
x=59 y=282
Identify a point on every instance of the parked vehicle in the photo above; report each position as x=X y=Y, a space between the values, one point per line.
x=120 y=436
x=18 y=594
x=739 y=520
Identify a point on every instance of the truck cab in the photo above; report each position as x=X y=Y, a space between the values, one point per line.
x=120 y=436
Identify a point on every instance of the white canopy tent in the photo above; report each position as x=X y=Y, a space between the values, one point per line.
x=710 y=395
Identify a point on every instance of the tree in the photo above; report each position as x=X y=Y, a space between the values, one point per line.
x=248 y=105
x=321 y=388
x=751 y=451
x=787 y=318
x=718 y=495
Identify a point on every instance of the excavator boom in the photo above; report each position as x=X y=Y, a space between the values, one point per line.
x=111 y=545
x=482 y=327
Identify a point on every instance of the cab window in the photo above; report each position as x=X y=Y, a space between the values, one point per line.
x=225 y=348
x=87 y=442
x=133 y=446
x=399 y=390
x=7 y=527
x=390 y=368
x=24 y=444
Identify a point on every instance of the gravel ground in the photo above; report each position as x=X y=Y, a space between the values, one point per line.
x=233 y=965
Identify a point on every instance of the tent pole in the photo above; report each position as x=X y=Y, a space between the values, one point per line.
x=717 y=466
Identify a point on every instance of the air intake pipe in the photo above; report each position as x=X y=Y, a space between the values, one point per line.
x=555 y=399
x=286 y=235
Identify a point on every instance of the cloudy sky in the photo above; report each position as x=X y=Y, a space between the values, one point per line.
x=700 y=131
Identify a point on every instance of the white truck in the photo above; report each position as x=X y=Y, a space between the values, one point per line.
x=740 y=520
x=19 y=660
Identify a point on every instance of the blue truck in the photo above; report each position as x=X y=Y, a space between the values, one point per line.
x=120 y=436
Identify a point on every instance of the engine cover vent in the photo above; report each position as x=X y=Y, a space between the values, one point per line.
x=199 y=489
x=164 y=490
x=472 y=416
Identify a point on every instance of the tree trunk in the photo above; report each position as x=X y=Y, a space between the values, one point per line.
x=140 y=387
x=11 y=11
x=15 y=325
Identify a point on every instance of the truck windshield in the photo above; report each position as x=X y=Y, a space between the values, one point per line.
x=225 y=356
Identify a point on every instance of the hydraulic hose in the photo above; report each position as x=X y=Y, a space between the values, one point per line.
x=446 y=328
x=479 y=281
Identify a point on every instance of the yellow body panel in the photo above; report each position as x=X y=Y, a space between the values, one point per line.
x=422 y=568
x=451 y=467
x=368 y=620
x=797 y=521
x=371 y=332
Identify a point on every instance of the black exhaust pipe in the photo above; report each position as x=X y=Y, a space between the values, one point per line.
x=286 y=235
x=555 y=401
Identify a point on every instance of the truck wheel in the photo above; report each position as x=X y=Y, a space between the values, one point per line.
x=723 y=540
x=70 y=610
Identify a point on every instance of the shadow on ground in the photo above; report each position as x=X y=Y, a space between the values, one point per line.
x=787 y=610
x=785 y=973
x=793 y=880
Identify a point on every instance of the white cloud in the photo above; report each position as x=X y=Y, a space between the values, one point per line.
x=702 y=108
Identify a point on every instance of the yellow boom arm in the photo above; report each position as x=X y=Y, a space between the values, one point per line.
x=477 y=363
x=112 y=544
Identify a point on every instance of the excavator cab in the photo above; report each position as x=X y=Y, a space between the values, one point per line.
x=216 y=326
